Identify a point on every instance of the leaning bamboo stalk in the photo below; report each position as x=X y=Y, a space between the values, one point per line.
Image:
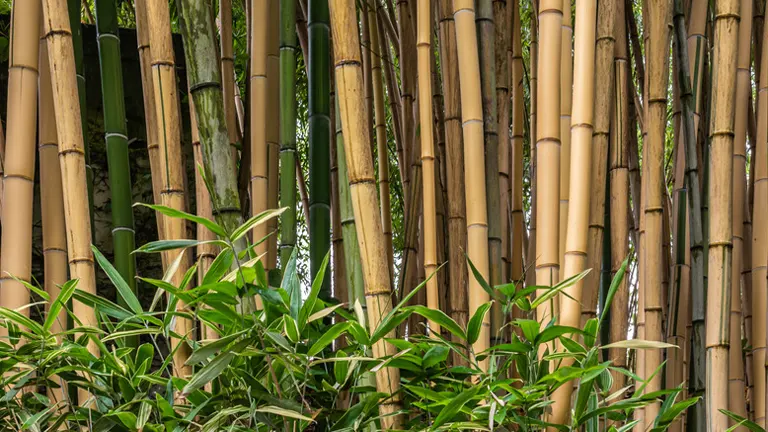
x=424 y=50
x=51 y=205
x=474 y=166
x=566 y=96
x=169 y=138
x=619 y=193
x=737 y=384
x=580 y=183
x=603 y=103
x=380 y=127
x=454 y=161
x=760 y=244
x=19 y=163
x=721 y=214
x=362 y=185
x=518 y=130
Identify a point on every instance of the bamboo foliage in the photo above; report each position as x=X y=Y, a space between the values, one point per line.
x=359 y=158
x=19 y=162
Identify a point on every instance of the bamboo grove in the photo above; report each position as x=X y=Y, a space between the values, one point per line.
x=458 y=143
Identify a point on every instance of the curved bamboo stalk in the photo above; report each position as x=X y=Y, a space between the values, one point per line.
x=454 y=161
x=169 y=138
x=474 y=166
x=424 y=50
x=116 y=136
x=380 y=127
x=362 y=185
x=603 y=109
x=736 y=379
x=548 y=152
x=319 y=137
x=287 y=128
x=19 y=163
x=580 y=183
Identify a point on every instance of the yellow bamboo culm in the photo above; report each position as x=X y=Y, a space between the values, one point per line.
x=258 y=119
x=548 y=152
x=736 y=383
x=566 y=104
x=19 y=163
x=424 y=51
x=51 y=204
x=580 y=183
x=362 y=185
x=172 y=193
x=474 y=160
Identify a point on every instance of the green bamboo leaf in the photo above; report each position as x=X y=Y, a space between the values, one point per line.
x=283 y=412
x=166 y=245
x=555 y=290
x=317 y=284
x=32 y=421
x=64 y=295
x=102 y=305
x=206 y=350
x=323 y=312
x=208 y=372
x=752 y=426
x=455 y=405
x=290 y=284
x=476 y=322
x=255 y=221
x=553 y=332
x=123 y=290
x=615 y=284
x=167 y=211
x=219 y=267
x=21 y=320
x=639 y=344
x=481 y=280
x=329 y=336
x=129 y=333
x=440 y=318
x=291 y=328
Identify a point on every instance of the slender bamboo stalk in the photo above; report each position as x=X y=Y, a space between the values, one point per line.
x=503 y=29
x=424 y=49
x=474 y=166
x=19 y=162
x=581 y=182
x=517 y=88
x=273 y=141
x=51 y=205
x=721 y=198
x=604 y=89
x=530 y=250
x=287 y=128
x=362 y=185
x=566 y=96
x=116 y=136
x=760 y=244
x=457 y=225
x=407 y=50
x=169 y=137
x=319 y=137
x=380 y=126
x=228 y=72
x=736 y=378
x=341 y=290
x=258 y=118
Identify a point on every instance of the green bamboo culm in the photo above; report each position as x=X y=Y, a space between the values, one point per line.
x=115 y=132
x=352 y=261
x=77 y=42
x=204 y=76
x=287 y=129
x=319 y=107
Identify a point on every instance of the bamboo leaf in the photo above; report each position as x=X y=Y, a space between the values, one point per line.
x=123 y=290
x=283 y=412
x=455 y=405
x=64 y=295
x=440 y=318
x=167 y=211
x=317 y=284
x=255 y=221
x=550 y=293
x=21 y=320
x=476 y=322
x=615 y=284
x=639 y=344
x=329 y=336
x=208 y=372
x=219 y=267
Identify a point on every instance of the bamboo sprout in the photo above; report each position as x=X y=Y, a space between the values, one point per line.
x=362 y=185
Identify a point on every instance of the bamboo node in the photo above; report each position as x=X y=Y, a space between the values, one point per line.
x=18 y=176
x=76 y=150
x=204 y=85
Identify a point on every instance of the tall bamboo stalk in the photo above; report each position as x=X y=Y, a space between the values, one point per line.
x=362 y=185
x=736 y=379
x=603 y=110
x=228 y=72
x=380 y=127
x=258 y=118
x=474 y=165
x=116 y=136
x=287 y=129
x=51 y=204
x=530 y=251
x=457 y=225
x=503 y=29
x=71 y=155
x=19 y=162
x=566 y=96
x=273 y=139
x=517 y=88
x=581 y=182
x=319 y=137
x=760 y=243
x=548 y=151
x=424 y=49
x=169 y=138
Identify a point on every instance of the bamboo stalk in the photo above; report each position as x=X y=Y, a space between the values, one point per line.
x=518 y=139
x=288 y=129
x=424 y=49
x=530 y=251
x=228 y=72
x=581 y=182
x=407 y=49
x=19 y=162
x=51 y=205
x=116 y=136
x=474 y=166
x=273 y=140
x=566 y=96
x=736 y=378
x=362 y=185
x=503 y=28
x=169 y=138
x=258 y=118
